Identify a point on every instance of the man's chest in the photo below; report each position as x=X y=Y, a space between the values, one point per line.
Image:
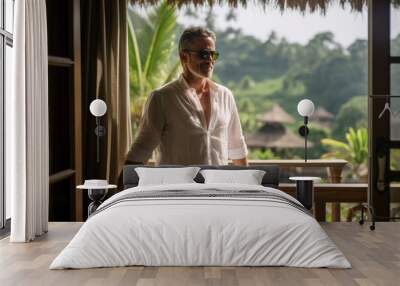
x=206 y=113
x=206 y=107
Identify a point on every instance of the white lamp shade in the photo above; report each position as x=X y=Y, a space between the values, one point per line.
x=305 y=107
x=98 y=107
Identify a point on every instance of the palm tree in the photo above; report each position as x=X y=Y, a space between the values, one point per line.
x=151 y=42
x=355 y=151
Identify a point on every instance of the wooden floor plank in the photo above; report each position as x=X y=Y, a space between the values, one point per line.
x=374 y=255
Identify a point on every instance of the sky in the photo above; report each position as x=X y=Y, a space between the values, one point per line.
x=346 y=25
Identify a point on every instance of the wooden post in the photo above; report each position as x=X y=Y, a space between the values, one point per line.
x=320 y=210
x=335 y=176
x=378 y=86
x=76 y=36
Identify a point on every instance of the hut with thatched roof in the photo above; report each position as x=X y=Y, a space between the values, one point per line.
x=276 y=115
x=274 y=133
x=322 y=117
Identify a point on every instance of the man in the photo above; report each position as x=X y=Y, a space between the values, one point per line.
x=193 y=120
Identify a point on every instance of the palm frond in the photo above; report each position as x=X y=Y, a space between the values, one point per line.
x=334 y=155
x=335 y=144
x=164 y=19
x=173 y=72
x=151 y=43
x=354 y=150
x=143 y=29
x=135 y=63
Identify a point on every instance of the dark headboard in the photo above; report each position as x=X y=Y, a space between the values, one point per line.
x=270 y=179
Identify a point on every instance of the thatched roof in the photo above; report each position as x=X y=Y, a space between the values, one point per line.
x=322 y=118
x=276 y=114
x=302 y=5
x=275 y=135
x=321 y=114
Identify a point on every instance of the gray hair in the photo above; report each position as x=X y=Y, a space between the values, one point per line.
x=192 y=33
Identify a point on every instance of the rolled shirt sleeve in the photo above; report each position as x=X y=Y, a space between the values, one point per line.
x=150 y=130
x=237 y=148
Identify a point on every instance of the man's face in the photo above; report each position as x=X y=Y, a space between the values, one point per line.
x=199 y=59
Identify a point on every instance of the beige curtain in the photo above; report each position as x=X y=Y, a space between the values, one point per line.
x=105 y=76
x=27 y=138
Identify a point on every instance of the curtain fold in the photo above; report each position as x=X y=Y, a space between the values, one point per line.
x=105 y=76
x=27 y=141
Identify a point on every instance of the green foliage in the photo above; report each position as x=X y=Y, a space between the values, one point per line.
x=262 y=73
x=152 y=53
x=317 y=133
x=354 y=150
x=354 y=112
x=247 y=115
x=243 y=55
x=247 y=82
x=322 y=70
x=262 y=94
x=395 y=159
x=258 y=154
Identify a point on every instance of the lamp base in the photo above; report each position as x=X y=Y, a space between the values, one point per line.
x=305 y=193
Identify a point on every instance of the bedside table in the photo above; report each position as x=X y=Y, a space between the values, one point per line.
x=96 y=194
x=305 y=190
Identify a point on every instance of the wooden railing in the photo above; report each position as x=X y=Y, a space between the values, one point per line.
x=331 y=193
x=344 y=193
x=334 y=168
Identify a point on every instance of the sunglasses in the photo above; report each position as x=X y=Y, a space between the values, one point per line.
x=205 y=54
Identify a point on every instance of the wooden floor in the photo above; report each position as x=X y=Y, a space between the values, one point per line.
x=375 y=256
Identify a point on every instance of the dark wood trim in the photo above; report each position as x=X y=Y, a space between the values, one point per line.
x=65 y=174
x=320 y=211
x=72 y=114
x=334 y=192
x=378 y=83
x=328 y=163
x=60 y=61
x=65 y=75
x=77 y=108
x=395 y=60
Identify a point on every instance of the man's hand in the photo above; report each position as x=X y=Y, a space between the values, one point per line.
x=240 y=162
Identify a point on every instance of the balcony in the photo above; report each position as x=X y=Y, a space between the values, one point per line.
x=333 y=192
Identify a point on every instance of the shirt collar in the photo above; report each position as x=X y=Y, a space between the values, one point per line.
x=186 y=86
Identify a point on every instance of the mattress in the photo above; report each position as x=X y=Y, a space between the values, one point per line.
x=201 y=225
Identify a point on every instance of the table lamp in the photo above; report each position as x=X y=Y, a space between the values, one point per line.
x=98 y=108
x=305 y=108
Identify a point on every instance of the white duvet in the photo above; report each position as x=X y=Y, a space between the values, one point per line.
x=200 y=231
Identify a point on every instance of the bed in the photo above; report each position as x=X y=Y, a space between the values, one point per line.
x=201 y=224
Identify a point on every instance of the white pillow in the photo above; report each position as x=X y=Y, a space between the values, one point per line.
x=248 y=177
x=163 y=176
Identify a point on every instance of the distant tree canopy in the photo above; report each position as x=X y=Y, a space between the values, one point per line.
x=326 y=72
x=275 y=71
x=353 y=113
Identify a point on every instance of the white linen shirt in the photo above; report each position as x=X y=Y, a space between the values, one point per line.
x=174 y=120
